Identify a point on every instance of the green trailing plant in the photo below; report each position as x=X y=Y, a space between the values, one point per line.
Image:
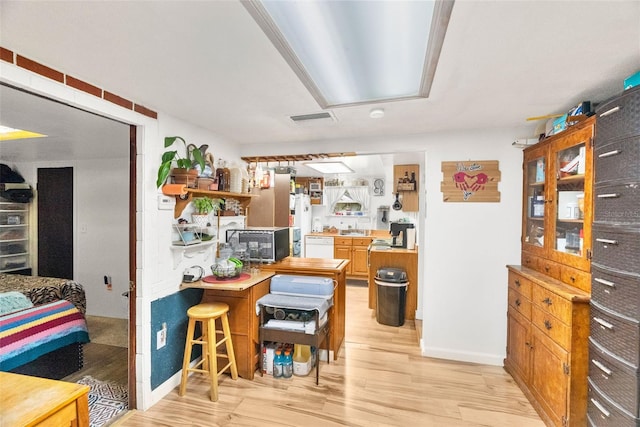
x=204 y=205
x=169 y=157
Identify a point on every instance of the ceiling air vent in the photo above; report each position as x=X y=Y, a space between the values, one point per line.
x=314 y=118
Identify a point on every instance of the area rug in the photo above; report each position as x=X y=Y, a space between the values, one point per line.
x=106 y=400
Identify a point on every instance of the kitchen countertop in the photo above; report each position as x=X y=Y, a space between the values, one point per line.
x=239 y=285
x=373 y=233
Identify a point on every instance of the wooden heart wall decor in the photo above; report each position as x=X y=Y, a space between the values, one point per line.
x=470 y=181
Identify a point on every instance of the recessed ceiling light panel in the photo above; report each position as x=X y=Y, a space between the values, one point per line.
x=329 y=167
x=354 y=52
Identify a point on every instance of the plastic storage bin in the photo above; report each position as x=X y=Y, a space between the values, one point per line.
x=391 y=291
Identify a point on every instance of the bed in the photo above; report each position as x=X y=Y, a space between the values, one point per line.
x=42 y=325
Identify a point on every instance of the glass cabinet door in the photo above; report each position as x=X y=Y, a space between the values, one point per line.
x=535 y=201
x=570 y=200
x=571 y=163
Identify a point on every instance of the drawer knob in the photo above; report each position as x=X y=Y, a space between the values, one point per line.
x=518 y=302
x=603 y=323
x=547 y=324
x=517 y=282
x=604 y=282
x=546 y=268
x=573 y=279
x=547 y=301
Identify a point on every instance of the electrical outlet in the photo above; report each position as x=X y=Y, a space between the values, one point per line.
x=161 y=337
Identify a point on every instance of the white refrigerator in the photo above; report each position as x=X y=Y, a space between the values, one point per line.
x=302 y=218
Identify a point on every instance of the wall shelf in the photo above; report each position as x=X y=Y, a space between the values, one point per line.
x=181 y=252
x=183 y=201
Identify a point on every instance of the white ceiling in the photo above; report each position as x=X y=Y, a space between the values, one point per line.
x=208 y=62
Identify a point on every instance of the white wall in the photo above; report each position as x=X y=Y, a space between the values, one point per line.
x=101 y=224
x=467 y=246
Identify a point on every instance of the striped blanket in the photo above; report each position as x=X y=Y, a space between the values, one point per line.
x=28 y=334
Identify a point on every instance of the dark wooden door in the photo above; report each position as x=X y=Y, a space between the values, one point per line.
x=55 y=222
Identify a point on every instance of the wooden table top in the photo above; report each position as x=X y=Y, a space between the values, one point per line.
x=239 y=285
x=308 y=264
x=26 y=400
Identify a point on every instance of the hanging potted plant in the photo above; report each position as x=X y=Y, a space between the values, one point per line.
x=184 y=163
x=203 y=207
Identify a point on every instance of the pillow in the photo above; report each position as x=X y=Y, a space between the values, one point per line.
x=13 y=301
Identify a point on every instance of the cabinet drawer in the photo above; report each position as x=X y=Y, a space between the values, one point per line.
x=620 y=336
x=13 y=248
x=616 y=248
x=618 y=161
x=519 y=303
x=13 y=262
x=13 y=218
x=617 y=380
x=520 y=284
x=602 y=412
x=13 y=232
x=529 y=261
x=551 y=303
x=63 y=417
x=549 y=268
x=618 y=203
x=615 y=291
x=618 y=118
x=550 y=326
x=575 y=277
x=342 y=241
x=361 y=241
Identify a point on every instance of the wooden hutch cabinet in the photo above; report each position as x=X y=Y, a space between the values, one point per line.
x=549 y=294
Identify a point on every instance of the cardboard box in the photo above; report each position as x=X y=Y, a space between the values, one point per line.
x=268 y=352
x=632 y=81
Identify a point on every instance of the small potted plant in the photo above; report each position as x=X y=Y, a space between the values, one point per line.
x=169 y=157
x=203 y=207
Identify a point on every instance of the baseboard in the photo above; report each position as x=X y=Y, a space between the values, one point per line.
x=462 y=356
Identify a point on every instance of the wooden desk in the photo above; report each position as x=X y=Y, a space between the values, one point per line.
x=243 y=319
x=333 y=268
x=406 y=259
x=30 y=401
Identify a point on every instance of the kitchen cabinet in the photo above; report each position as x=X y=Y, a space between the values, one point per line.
x=547 y=351
x=354 y=249
x=14 y=237
x=557 y=204
x=241 y=296
x=549 y=294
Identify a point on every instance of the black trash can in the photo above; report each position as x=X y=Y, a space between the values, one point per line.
x=391 y=292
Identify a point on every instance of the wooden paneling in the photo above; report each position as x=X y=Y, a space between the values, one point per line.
x=409 y=199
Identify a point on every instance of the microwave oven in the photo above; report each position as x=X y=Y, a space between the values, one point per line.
x=264 y=244
x=315 y=186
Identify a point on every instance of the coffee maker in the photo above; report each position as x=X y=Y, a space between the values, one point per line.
x=399 y=233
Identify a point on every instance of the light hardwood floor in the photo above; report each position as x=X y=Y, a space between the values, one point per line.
x=380 y=379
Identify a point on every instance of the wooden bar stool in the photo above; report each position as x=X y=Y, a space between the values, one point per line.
x=207 y=314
